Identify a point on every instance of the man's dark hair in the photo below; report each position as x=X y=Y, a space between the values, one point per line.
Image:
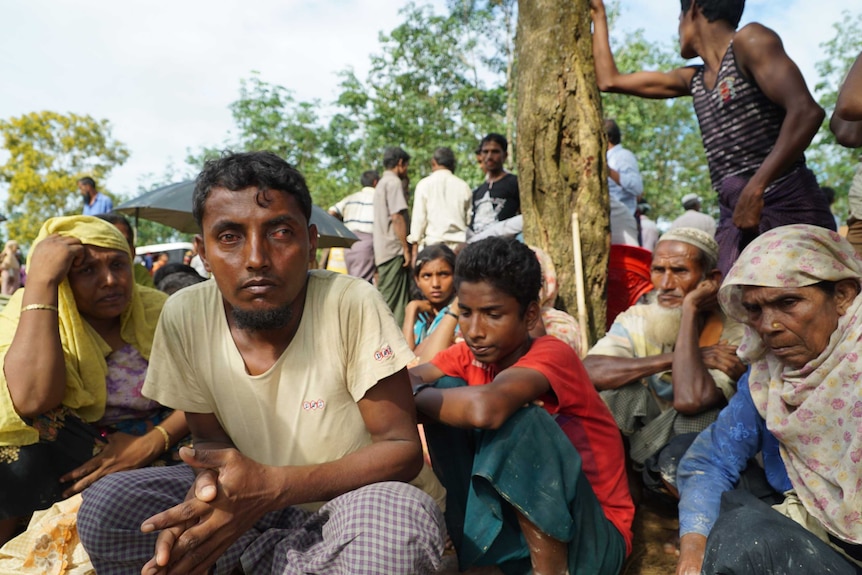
x=728 y=10
x=445 y=157
x=829 y=193
x=115 y=218
x=434 y=252
x=88 y=181
x=173 y=277
x=238 y=171
x=496 y=138
x=612 y=130
x=393 y=155
x=506 y=264
x=369 y=178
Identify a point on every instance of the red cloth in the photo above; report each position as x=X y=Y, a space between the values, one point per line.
x=583 y=417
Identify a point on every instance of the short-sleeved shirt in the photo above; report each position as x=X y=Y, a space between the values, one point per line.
x=303 y=410
x=102 y=204
x=628 y=338
x=592 y=431
x=388 y=200
x=357 y=211
x=495 y=201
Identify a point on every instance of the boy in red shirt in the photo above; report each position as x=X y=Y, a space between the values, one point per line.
x=528 y=486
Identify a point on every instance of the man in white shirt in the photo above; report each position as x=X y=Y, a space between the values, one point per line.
x=442 y=205
x=693 y=217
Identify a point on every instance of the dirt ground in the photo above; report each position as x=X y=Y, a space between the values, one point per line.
x=655 y=525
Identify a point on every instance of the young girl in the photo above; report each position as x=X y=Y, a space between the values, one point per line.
x=434 y=270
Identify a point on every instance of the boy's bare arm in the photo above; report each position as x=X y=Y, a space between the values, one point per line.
x=645 y=83
x=761 y=56
x=846 y=122
x=483 y=406
x=611 y=372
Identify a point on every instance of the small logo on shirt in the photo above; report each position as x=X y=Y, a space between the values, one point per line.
x=726 y=90
x=383 y=353
x=313 y=405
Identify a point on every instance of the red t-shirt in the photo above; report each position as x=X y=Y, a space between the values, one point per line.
x=584 y=417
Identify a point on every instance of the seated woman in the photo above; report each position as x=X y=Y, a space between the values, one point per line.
x=434 y=271
x=798 y=290
x=74 y=347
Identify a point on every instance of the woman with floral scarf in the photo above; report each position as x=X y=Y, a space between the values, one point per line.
x=797 y=288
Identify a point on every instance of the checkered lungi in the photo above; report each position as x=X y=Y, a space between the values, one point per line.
x=648 y=428
x=390 y=527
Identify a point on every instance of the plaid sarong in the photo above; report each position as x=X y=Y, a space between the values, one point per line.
x=389 y=527
x=648 y=429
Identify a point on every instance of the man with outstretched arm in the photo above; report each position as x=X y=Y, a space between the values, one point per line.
x=755 y=112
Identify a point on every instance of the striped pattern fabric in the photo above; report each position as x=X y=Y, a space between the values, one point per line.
x=739 y=124
x=389 y=527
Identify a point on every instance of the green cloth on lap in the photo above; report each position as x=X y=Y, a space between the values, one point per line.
x=530 y=464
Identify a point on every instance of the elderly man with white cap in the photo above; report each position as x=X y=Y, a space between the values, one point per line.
x=667 y=367
x=693 y=217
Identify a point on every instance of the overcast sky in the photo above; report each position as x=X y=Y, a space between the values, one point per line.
x=163 y=73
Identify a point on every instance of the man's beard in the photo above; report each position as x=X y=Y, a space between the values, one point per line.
x=663 y=325
x=262 y=320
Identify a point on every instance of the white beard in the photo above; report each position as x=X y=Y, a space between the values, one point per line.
x=663 y=326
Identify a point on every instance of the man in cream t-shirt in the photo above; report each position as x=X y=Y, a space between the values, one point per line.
x=296 y=393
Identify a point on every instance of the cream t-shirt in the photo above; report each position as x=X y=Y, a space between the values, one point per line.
x=303 y=410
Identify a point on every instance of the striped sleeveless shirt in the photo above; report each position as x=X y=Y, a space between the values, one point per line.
x=739 y=124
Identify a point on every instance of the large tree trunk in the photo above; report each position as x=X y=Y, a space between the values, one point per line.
x=561 y=148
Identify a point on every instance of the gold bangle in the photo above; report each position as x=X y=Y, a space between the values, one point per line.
x=166 y=435
x=35 y=306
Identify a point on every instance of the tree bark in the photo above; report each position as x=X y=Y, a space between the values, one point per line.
x=561 y=148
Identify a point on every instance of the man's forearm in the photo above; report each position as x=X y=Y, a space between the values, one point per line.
x=609 y=372
x=797 y=130
x=694 y=390
x=392 y=460
x=399 y=226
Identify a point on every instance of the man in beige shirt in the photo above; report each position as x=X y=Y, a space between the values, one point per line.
x=442 y=205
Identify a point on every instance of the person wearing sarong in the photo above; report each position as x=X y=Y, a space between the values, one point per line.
x=527 y=487
x=392 y=252
x=666 y=368
x=74 y=349
x=300 y=461
x=797 y=288
x=755 y=113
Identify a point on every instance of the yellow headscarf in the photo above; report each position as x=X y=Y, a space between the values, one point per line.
x=84 y=350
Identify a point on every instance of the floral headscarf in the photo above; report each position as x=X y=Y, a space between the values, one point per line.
x=815 y=412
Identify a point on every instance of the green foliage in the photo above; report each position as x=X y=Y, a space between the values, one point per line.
x=268 y=117
x=433 y=84
x=48 y=153
x=834 y=164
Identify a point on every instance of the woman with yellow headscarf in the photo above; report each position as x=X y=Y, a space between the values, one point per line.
x=74 y=348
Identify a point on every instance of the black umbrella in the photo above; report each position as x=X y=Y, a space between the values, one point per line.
x=172 y=206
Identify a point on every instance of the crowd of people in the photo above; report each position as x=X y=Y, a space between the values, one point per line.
x=454 y=406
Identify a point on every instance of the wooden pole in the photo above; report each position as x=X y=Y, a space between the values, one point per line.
x=579 y=283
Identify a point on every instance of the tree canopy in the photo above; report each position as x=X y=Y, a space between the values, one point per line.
x=48 y=153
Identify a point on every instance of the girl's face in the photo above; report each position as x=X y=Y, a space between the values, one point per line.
x=435 y=281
